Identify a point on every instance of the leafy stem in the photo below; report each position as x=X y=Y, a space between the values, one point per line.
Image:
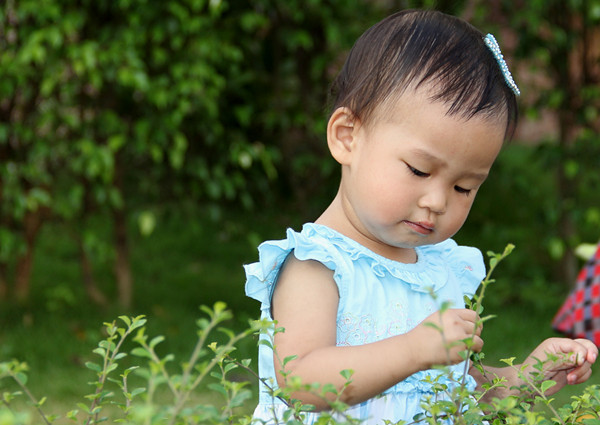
x=495 y=259
x=110 y=353
x=15 y=370
x=537 y=388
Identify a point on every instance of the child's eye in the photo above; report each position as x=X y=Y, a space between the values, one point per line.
x=462 y=190
x=416 y=172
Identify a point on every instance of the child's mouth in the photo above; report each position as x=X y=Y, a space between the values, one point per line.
x=422 y=227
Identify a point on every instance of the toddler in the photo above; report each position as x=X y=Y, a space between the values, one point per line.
x=420 y=111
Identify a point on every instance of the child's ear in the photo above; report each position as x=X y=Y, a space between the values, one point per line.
x=341 y=133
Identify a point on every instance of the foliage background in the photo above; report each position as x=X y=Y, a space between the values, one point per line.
x=147 y=147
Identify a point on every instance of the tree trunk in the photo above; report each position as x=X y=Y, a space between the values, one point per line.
x=575 y=73
x=566 y=198
x=566 y=229
x=89 y=283
x=32 y=224
x=3 y=281
x=122 y=264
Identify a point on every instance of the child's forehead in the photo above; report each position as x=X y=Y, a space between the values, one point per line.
x=399 y=107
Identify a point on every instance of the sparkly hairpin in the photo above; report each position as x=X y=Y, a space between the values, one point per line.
x=491 y=42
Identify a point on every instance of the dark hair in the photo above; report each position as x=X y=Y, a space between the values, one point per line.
x=416 y=47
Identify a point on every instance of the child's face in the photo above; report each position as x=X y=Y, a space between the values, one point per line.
x=414 y=172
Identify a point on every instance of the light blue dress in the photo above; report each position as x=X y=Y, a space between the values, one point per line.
x=379 y=298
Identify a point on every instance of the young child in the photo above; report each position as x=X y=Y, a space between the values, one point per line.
x=421 y=109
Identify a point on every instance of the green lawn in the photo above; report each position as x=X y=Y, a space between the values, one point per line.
x=187 y=262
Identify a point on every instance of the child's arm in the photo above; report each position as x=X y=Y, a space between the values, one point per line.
x=574 y=359
x=305 y=304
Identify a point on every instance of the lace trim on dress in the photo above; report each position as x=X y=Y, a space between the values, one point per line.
x=315 y=242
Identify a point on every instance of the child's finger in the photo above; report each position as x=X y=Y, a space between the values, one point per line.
x=592 y=350
x=467 y=314
x=477 y=344
x=577 y=350
x=471 y=319
x=579 y=374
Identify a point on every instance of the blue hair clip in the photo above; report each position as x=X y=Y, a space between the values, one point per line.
x=491 y=42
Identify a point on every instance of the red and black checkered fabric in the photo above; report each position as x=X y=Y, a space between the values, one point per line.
x=579 y=316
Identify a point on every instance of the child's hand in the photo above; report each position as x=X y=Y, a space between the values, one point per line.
x=573 y=363
x=442 y=336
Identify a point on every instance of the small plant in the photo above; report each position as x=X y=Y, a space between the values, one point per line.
x=140 y=387
x=165 y=397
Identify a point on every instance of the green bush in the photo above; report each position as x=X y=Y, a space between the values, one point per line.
x=114 y=398
x=139 y=386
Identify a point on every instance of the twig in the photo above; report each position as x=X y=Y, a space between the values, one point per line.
x=30 y=396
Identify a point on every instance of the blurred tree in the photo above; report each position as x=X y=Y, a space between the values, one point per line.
x=550 y=184
x=115 y=108
x=297 y=48
x=105 y=105
x=100 y=102
x=560 y=41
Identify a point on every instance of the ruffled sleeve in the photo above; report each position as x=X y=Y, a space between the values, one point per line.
x=465 y=262
x=261 y=277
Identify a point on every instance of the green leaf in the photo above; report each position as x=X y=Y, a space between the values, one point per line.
x=445 y=306
x=107 y=345
x=289 y=359
x=434 y=326
x=41 y=402
x=100 y=351
x=119 y=356
x=509 y=361
x=156 y=340
x=111 y=367
x=138 y=391
x=546 y=385
x=229 y=367
x=141 y=352
x=126 y=320
x=218 y=388
x=84 y=408
x=508 y=249
x=21 y=377
x=138 y=322
x=93 y=366
x=347 y=374
x=488 y=317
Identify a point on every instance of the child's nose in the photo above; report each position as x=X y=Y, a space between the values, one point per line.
x=434 y=199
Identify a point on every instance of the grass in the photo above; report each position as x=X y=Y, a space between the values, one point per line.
x=188 y=261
